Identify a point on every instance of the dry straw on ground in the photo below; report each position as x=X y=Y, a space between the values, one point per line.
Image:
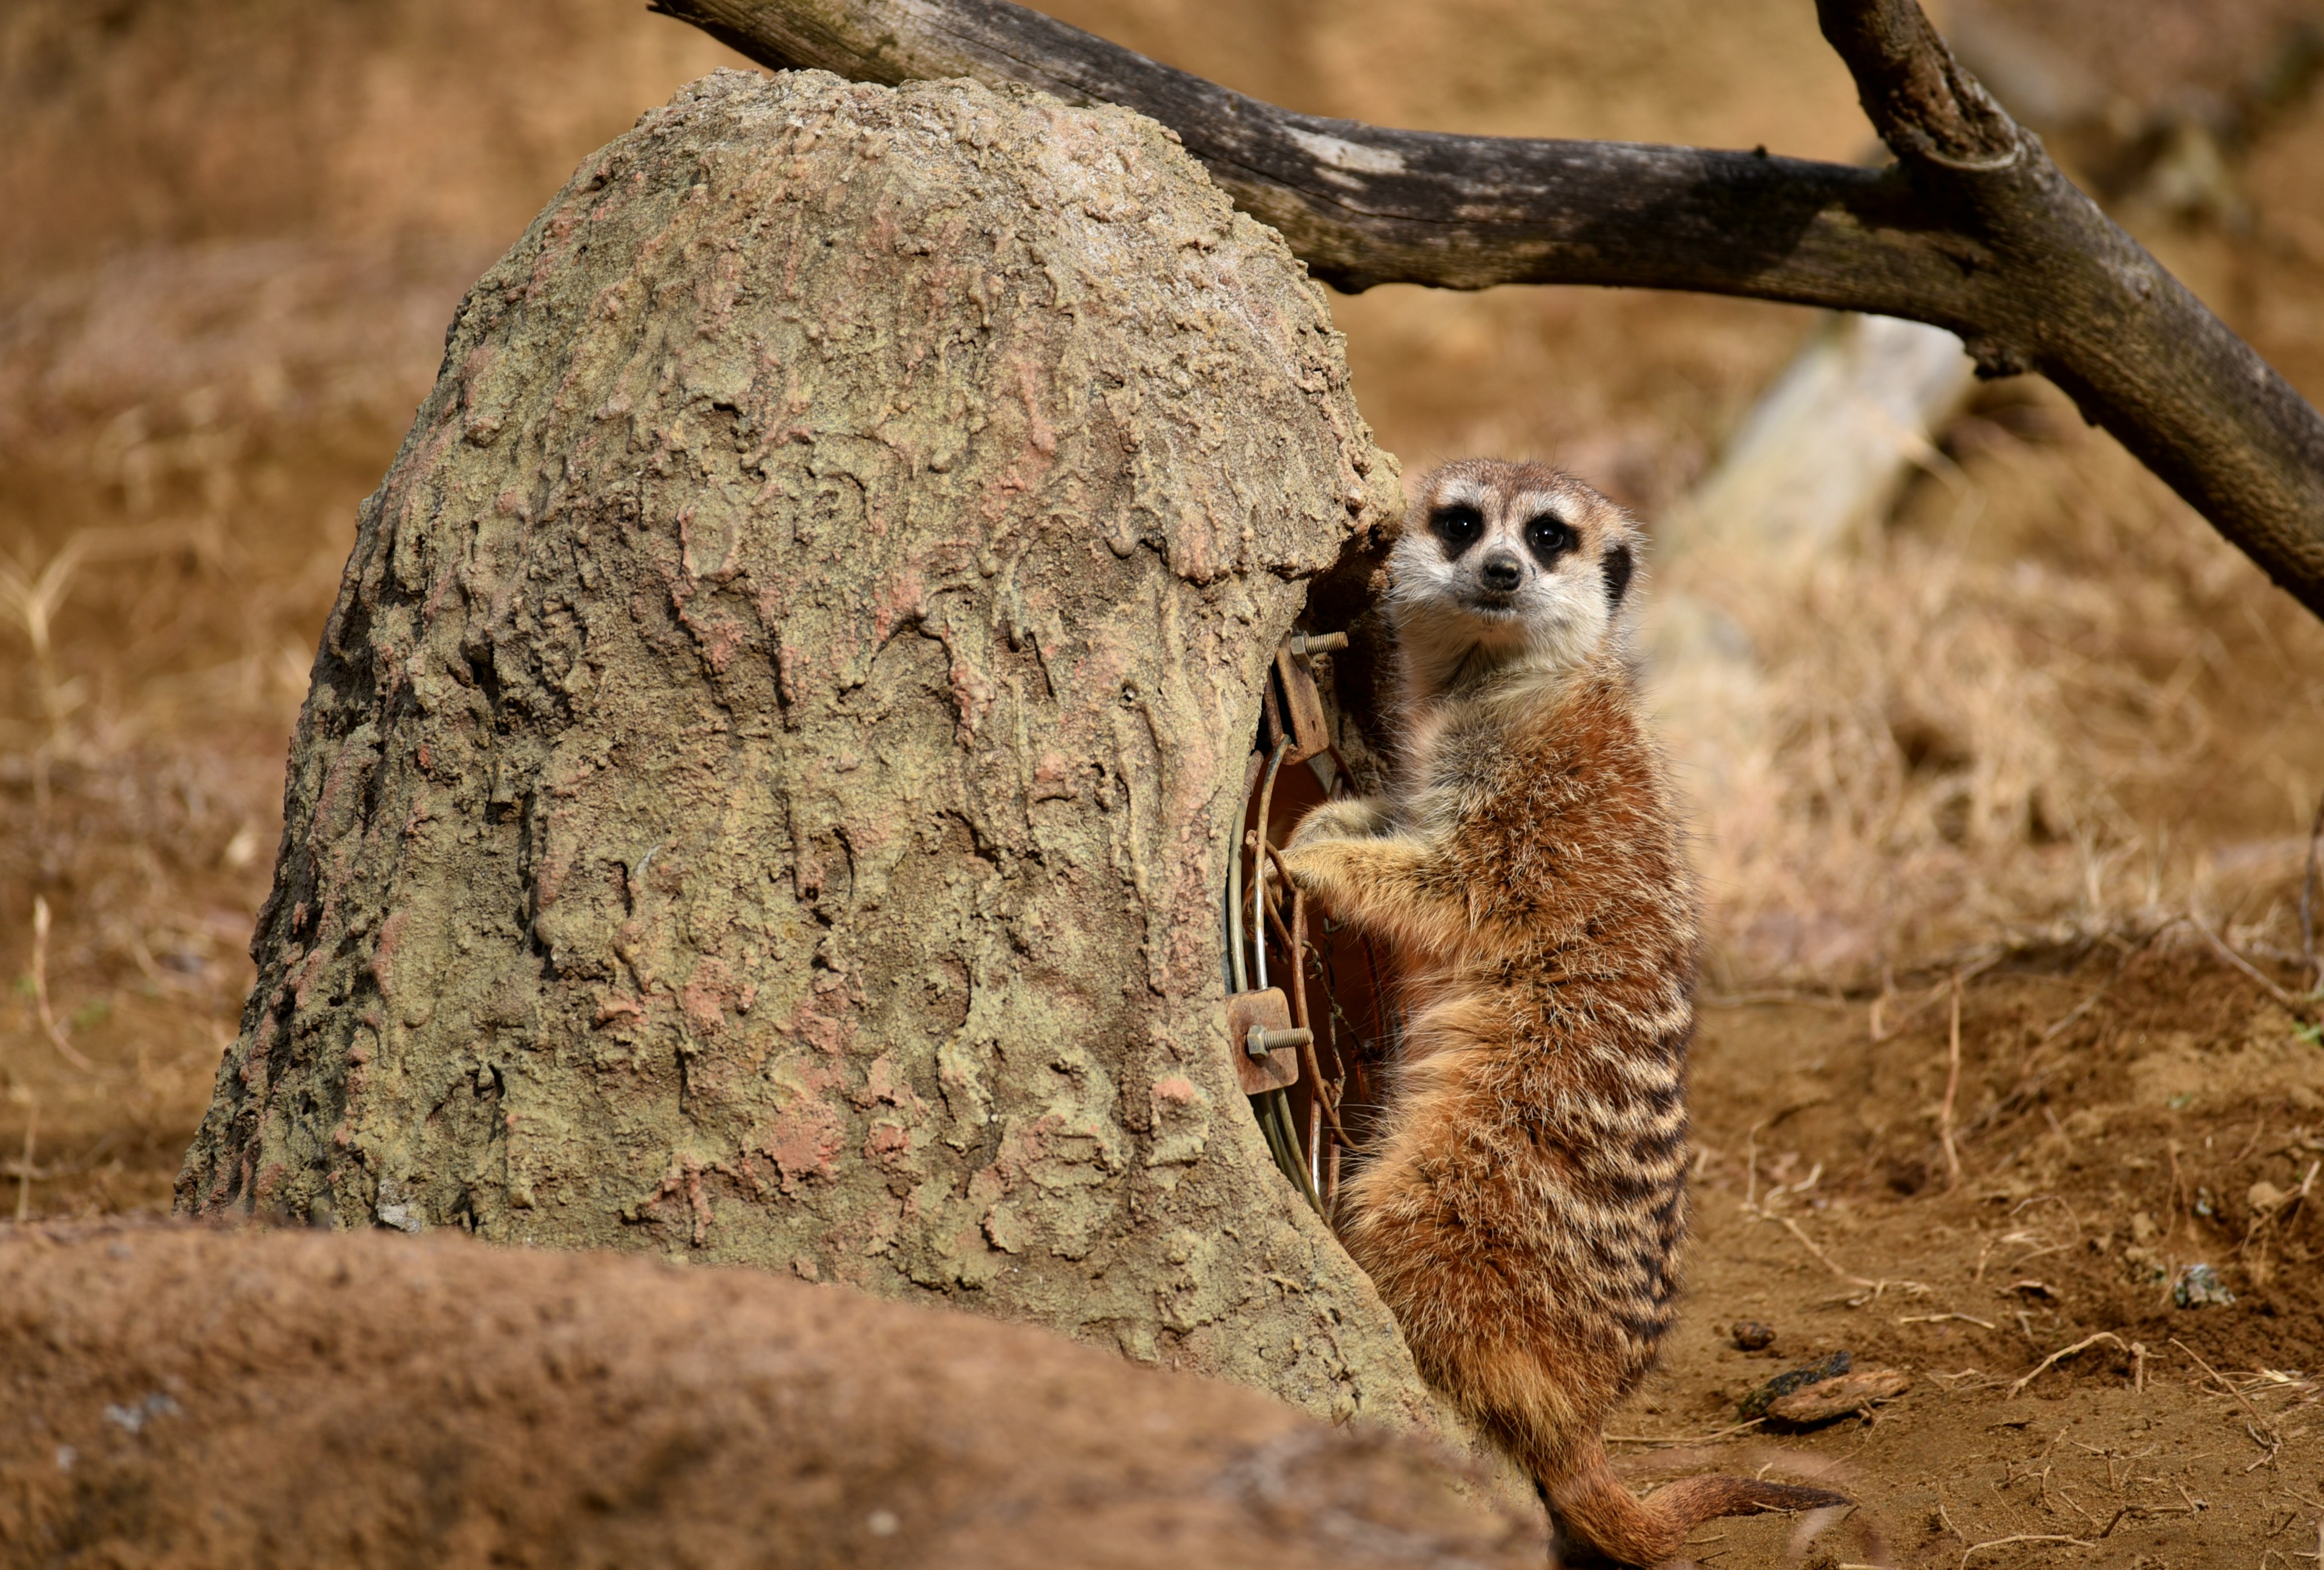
x=2043 y=702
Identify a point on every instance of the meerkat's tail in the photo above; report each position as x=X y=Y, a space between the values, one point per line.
x=1592 y=1503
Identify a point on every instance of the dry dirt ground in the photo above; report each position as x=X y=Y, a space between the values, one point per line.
x=2121 y=1113
x=2023 y=732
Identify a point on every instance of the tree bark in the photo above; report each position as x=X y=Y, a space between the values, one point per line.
x=1974 y=229
x=768 y=779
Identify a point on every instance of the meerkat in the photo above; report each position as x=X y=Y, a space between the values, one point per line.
x=1524 y=1198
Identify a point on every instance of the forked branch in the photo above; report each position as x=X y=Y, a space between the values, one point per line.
x=1973 y=229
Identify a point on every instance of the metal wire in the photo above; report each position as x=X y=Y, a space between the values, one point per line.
x=1273 y=1109
x=1291 y=1132
x=1250 y=913
x=1258 y=860
x=1234 y=917
x=1294 y=941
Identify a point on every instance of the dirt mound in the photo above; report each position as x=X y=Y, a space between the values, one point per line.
x=182 y=1397
x=2122 y=1113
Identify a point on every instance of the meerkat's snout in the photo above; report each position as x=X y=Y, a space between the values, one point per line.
x=1502 y=572
x=1505 y=559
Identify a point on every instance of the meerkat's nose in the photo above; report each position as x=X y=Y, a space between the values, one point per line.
x=1502 y=572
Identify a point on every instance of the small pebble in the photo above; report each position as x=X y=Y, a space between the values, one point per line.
x=1750 y=1335
x=1757 y=1403
x=2200 y=1286
x=1851 y=1392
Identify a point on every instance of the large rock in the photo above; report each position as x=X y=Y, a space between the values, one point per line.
x=184 y=1398
x=769 y=775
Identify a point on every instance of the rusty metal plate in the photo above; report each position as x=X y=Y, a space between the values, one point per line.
x=1310 y=734
x=1270 y=1011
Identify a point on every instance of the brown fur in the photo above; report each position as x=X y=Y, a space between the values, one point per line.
x=1522 y=1207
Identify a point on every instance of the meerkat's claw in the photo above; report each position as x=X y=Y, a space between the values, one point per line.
x=1306 y=861
x=1350 y=817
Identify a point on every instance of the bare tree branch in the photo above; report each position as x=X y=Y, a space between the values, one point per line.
x=1916 y=96
x=1973 y=229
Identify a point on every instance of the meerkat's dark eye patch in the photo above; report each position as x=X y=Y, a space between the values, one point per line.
x=1458 y=524
x=1618 y=574
x=1547 y=536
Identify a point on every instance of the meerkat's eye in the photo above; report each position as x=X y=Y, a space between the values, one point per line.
x=1548 y=537
x=1458 y=524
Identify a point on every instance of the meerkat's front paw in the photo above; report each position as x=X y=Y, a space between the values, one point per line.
x=1350 y=817
x=1314 y=859
x=1338 y=869
x=1382 y=882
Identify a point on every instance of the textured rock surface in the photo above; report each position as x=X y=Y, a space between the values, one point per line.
x=183 y=1397
x=769 y=773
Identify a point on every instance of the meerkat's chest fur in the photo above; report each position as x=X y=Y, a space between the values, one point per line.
x=1551 y=1024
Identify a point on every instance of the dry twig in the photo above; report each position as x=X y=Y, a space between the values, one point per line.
x=2274 y=1440
x=1952 y=1086
x=1825 y=1260
x=1940 y=1318
x=2064 y=1352
x=2024 y=1538
x=2299 y=1008
x=2130 y=958
x=1669 y=1439
x=49 y=1026
x=2188 y=1507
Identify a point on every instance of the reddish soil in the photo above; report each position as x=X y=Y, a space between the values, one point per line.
x=2172 y=1122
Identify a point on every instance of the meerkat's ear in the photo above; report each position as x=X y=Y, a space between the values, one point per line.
x=1618 y=575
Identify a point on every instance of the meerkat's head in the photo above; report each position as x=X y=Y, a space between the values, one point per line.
x=1502 y=560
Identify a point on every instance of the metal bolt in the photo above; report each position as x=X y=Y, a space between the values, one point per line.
x=1262 y=1040
x=1318 y=643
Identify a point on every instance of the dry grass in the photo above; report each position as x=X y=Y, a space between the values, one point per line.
x=184 y=433
x=155 y=656
x=2046 y=701
x=240 y=228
